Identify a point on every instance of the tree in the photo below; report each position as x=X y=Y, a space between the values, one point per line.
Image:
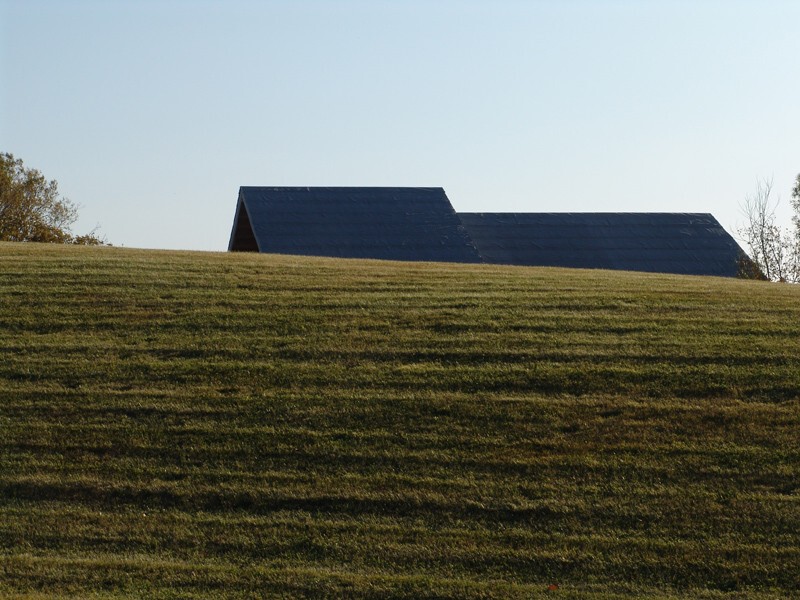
x=795 y=242
x=771 y=247
x=796 y=207
x=31 y=209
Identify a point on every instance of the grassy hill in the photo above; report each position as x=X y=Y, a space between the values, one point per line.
x=178 y=424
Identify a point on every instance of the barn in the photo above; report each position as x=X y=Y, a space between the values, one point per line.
x=419 y=224
x=684 y=243
x=390 y=223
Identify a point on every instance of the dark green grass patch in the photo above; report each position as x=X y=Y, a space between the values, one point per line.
x=196 y=424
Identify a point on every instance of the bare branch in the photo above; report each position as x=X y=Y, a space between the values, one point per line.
x=770 y=246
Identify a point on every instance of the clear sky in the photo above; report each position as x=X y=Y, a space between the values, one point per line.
x=151 y=114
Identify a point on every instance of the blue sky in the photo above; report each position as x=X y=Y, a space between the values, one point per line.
x=151 y=114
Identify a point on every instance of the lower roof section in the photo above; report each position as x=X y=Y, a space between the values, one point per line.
x=415 y=224
x=684 y=243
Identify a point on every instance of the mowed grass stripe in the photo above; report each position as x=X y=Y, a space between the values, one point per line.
x=294 y=427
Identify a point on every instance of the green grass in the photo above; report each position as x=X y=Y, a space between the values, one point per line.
x=178 y=424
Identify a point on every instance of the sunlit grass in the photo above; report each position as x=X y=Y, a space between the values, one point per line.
x=197 y=424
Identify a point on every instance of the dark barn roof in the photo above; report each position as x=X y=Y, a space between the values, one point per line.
x=685 y=243
x=416 y=224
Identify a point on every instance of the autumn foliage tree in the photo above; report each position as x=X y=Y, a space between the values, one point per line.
x=31 y=209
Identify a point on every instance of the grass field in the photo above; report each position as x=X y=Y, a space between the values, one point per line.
x=214 y=425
